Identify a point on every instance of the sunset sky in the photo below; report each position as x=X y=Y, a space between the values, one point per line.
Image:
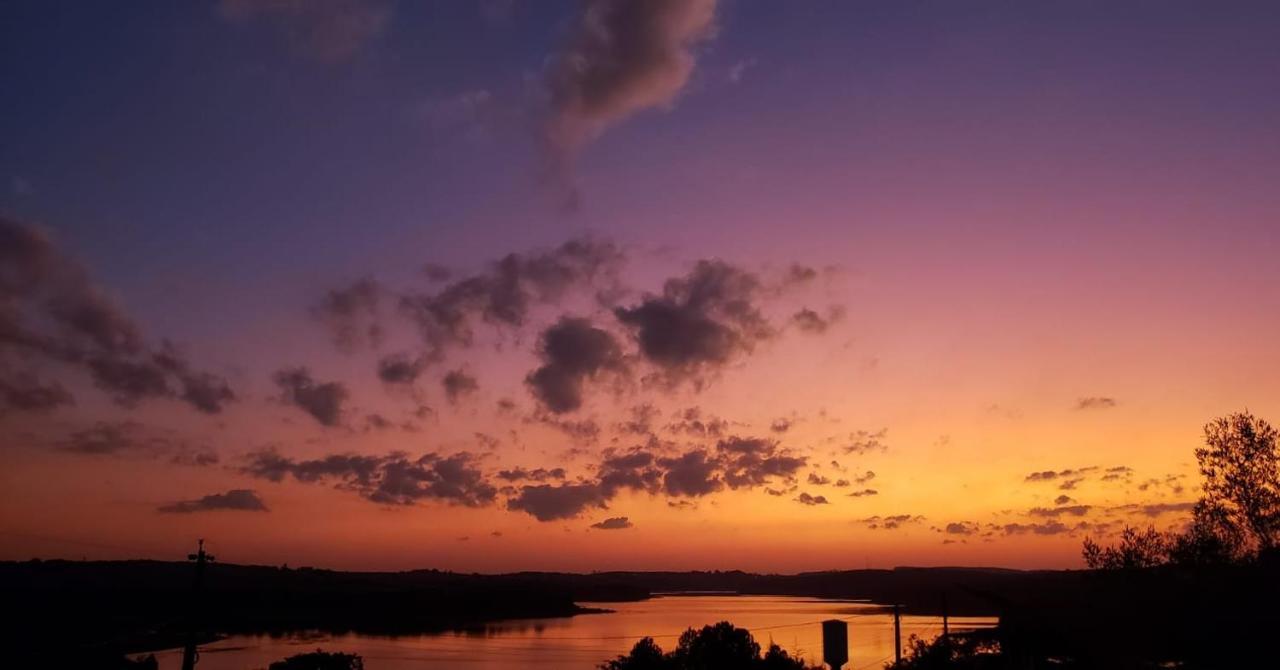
x=681 y=284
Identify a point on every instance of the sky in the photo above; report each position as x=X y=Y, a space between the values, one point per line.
x=608 y=284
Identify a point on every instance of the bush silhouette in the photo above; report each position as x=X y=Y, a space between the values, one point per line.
x=320 y=660
x=722 y=646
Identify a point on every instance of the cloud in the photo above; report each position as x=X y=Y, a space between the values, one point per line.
x=1055 y=512
x=809 y=321
x=690 y=421
x=750 y=462
x=573 y=351
x=327 y=31
x=52 y=312
x=400 y=368
x=700 y=322
x=562 y=501
x=819 y=480
x=806 y=499
x=1063 y=500
x=961 y=528
x=621 y=57
x=892 y=522
x=1051 y=475
x=1095 y=402
x=391 y=479
x=352 y=314
x=323 y=401
x=130 y=439
x=504 y=293
x=23 y=392
x=536 y=475
x=614 y=523
x=863 y=442
x=691 y=474
x=863 y=493
x=1046 y=528
x=458 y=384
x=236 y=499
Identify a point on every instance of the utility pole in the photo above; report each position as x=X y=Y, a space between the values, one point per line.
x=897 y=634
x=946 y=628
x=189 y=654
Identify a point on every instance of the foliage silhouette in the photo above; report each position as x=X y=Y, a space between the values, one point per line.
x=1237 y=518
x=954 y=652
x=719 y=647
x=320 y=660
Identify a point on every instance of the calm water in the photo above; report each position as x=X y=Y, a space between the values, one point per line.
x=583 y=642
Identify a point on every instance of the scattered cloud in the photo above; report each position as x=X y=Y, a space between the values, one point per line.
x=52 y=312
x=458 y=384
x=322 y=400
x=244 y=500
x=806 y=499
x=326 y=31
x=614 y=523
x=621 y=57
x=1095 y=402
x=699 y=323
x=392 y=479
x=573 y=351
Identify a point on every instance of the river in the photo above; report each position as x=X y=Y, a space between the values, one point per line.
x=582 y=642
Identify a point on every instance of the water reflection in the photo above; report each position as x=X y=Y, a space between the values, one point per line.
x=582 y=642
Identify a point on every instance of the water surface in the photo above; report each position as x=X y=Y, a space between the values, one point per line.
x=583 y=642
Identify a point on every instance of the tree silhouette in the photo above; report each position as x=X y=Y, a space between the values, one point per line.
x=1241 y=470
x=719 y=647
x=1238 y=514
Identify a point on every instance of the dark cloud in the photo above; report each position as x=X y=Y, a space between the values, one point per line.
x=1095 y=402
x=1063 y=500
x=750 y=462
x=400 y=368
x=809 y=321
x=322 y=400
x=621 y=57
x=641 y=421
x=1055 y=512
x=562 y=501
x=26 y=393
x=352 y=314
x=700 y=322
x=614 y=523
x=635 y=470
x=806 y=499
x=863 y=493
x=892 y=522
x=1154 y=510
x=780 y=425
x=1118 y=473
x=507 y=290
x=535 y=475
x=692 y=474
x=51 y=312
x=326 y=31
x=865 y=477
x=691 y=421
x=573 y=351
x=236 y=499
x=392 y=479
x=131 y=439
x=1052 y=475
x=1046 y=528
x=819 y=480
x=862 y=441
x=961 y=528
x=458 y=384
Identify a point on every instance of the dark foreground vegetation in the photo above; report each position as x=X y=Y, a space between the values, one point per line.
x=722 y=646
